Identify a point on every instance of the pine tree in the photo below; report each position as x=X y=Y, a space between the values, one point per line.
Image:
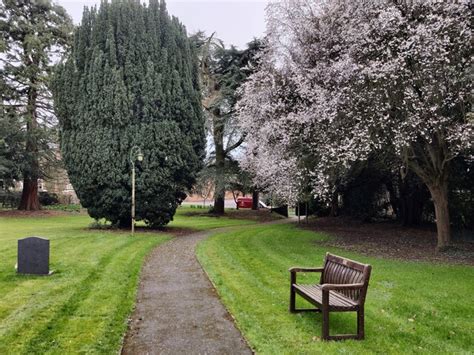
x=32 y=34
x=130 y=81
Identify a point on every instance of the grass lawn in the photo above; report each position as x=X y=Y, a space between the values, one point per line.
x=196 y=218
x=84 y=305
x=410 y=307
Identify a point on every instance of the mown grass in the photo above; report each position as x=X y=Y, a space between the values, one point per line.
x=410 y=308
x=65 y=208
x=84 y=305
x=197 y=219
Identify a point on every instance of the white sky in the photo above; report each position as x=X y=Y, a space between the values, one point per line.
x=235 y=22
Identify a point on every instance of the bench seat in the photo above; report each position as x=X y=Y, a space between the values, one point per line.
x=337 y=302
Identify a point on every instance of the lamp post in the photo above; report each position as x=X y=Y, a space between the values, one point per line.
x=135 y=154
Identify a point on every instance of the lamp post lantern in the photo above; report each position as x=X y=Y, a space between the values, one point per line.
x=135 y=154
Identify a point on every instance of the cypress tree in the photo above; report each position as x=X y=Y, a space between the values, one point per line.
x=130 y=81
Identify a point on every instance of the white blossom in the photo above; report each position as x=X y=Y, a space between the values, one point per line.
x=340 y=79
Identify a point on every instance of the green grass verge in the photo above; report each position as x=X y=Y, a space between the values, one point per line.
x=84 y=305
x=410 y=308
x=193 y=218
x=65 y=208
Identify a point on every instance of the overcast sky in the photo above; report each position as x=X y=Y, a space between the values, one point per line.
x=235 y=22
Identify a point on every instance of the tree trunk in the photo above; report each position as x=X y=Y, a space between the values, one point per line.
x=439 y=193
x=29 y=196
x=219 y=193
x=255 y=200
x=393 y=198
x=334 y=204
x=219 y=205
x=306 y=211
x=235 y=196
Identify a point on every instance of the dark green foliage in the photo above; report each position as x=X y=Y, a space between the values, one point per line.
x=461 y=207
x=9 y=199
x=48 y=198
x=131 y=81
x=377 y=188
x=314 y=206
x=363 y=189
x=12 y=140
x=239 y=180
x=410 y=199
x=374 y=189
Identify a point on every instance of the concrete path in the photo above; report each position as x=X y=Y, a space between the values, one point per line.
x=178 y=310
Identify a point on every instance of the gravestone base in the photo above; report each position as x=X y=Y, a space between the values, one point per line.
x=48 y=274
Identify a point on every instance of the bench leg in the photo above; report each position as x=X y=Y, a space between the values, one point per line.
x=360 y=323
x=360 y=328
x=292 y=300
x=325 y=330
x=292 y=292
x=292 y=307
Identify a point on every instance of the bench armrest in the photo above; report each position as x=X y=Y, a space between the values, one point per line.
x=306 y=269
x=327 y=287
x=294 y=270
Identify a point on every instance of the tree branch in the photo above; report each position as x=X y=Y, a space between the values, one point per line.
x=236 y=144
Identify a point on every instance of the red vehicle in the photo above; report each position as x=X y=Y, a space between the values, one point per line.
x=244 y=202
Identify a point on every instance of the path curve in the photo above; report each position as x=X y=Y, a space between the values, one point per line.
x=178 y=310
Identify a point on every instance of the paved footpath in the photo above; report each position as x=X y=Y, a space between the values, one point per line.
x=178 y=310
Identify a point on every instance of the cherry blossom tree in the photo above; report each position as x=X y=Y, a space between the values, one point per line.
x=357 y=77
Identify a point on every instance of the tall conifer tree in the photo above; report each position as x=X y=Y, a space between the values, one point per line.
x=222 y=71
x=131 y=81
x=32 y=35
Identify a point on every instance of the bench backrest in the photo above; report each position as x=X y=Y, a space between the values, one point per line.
x=339 y=270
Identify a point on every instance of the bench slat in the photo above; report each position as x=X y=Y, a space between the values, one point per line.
x=346 y=262
x=336 y=300
x=339 y=273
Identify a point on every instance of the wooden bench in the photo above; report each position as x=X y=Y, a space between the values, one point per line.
x=342 y=288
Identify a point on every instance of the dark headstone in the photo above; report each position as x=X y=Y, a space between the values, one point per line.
x=33 y=256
